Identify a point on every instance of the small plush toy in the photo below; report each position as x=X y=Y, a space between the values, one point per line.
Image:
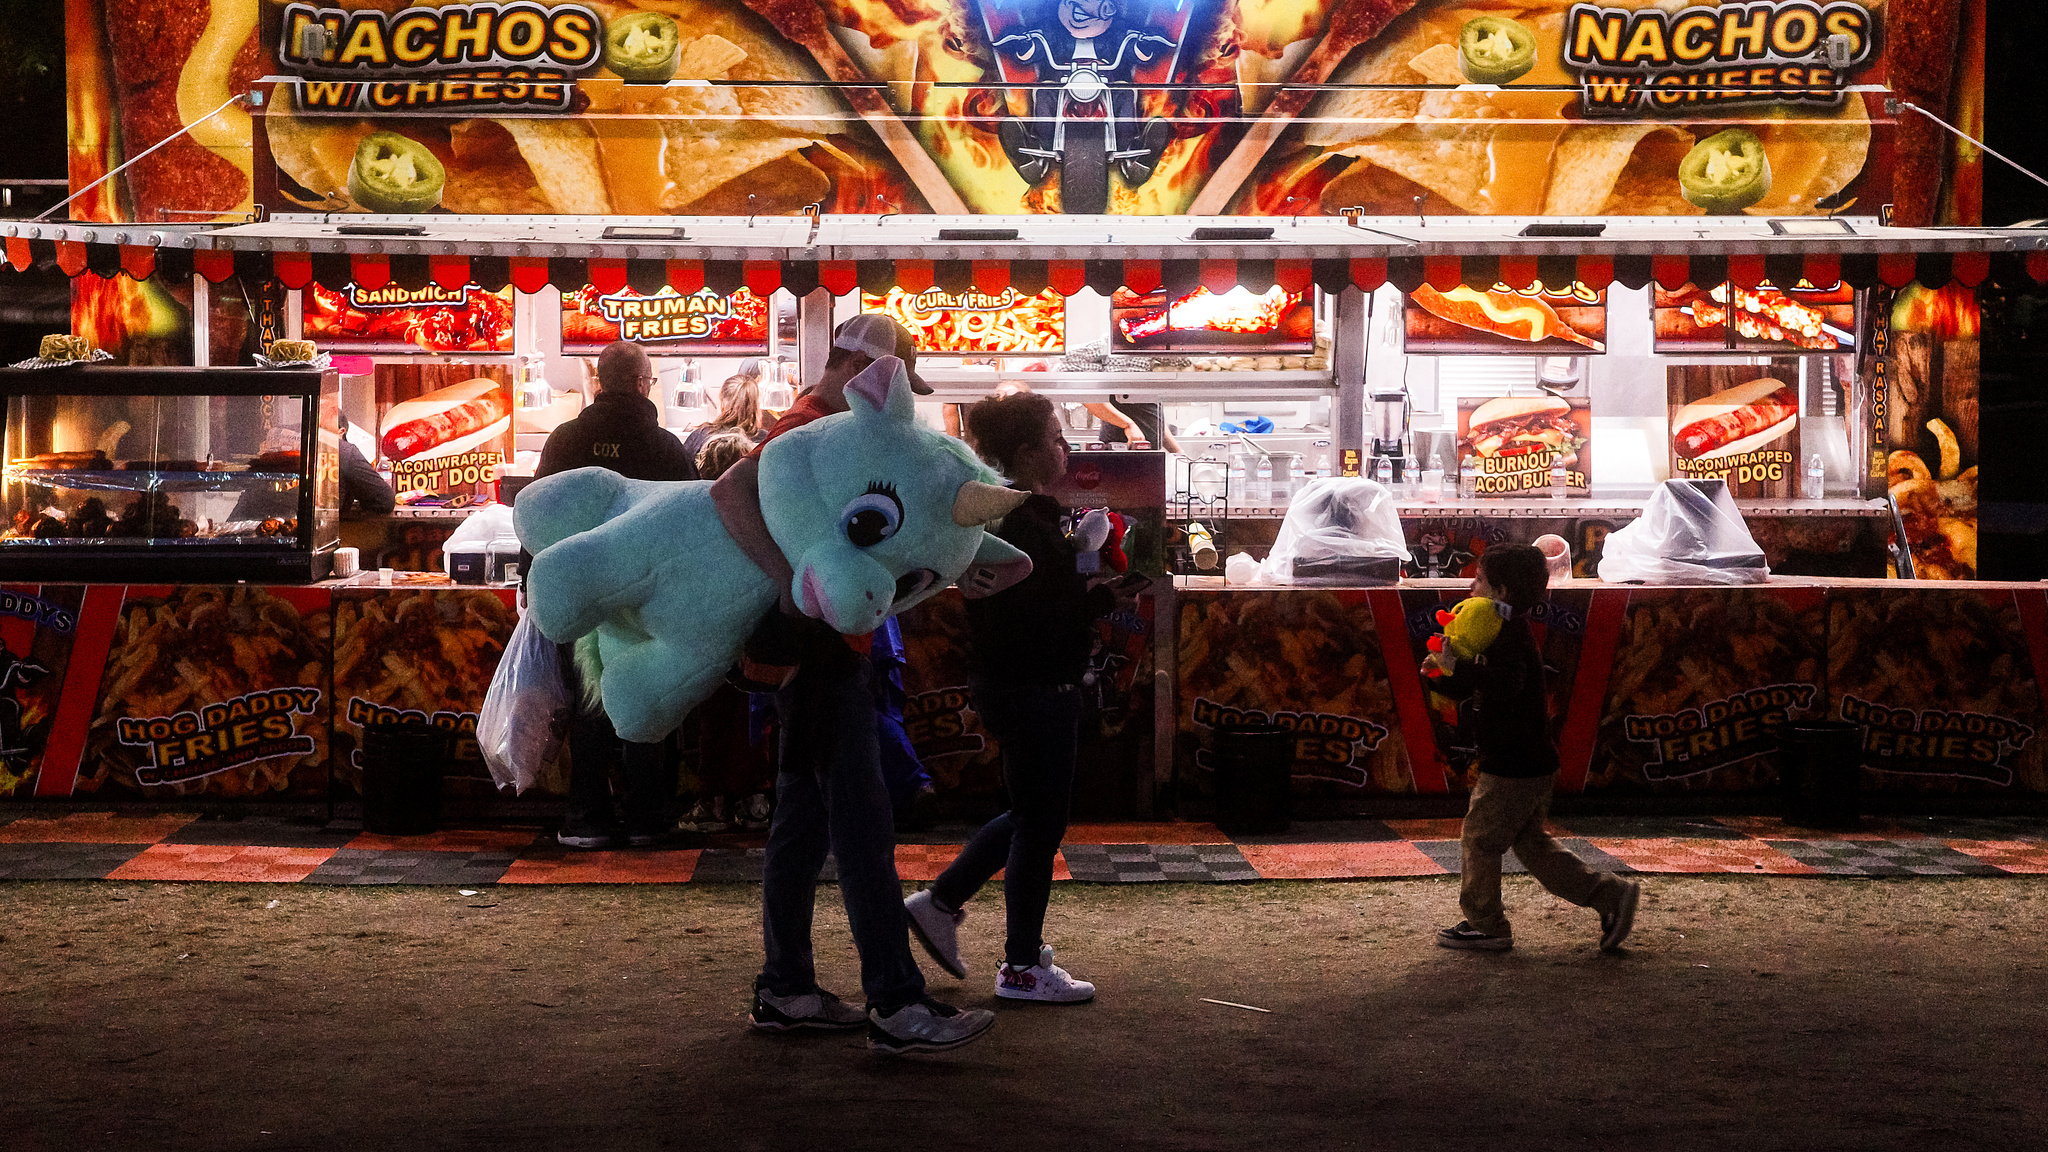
x=1469 y=629
x=1098 y=540
x=874 y=511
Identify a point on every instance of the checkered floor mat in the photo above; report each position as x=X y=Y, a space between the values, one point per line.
x=38 y=843
x=1884 y=858
x=1139 y=863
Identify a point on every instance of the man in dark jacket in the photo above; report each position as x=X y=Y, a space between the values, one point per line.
x=621 y=430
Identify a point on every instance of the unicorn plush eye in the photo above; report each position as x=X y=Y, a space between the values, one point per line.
x=873 y=516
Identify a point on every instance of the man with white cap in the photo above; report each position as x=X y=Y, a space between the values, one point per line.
x=830 y=795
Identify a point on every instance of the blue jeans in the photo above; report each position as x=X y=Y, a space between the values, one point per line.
x=829 y=797
x=1037 y=726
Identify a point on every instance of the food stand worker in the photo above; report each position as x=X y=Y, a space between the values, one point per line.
x=1127 y=422
x=829 y=792
x=621 y=430
x=360 y=484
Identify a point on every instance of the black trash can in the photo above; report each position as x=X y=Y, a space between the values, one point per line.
x=402 y=768
x=1820 y=773
x=1254 y=779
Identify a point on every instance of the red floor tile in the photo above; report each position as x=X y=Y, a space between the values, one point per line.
x=1339 y=861
x=450 y=840
x=1177 y=832
x=1443 y=828
x=1701 y=856
x=94 y=828
x=924 y=861
x=222 y=862
x=2012 y=855
x=604 y=867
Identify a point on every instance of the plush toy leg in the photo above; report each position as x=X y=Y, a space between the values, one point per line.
x=649 y=687
x=584 y=579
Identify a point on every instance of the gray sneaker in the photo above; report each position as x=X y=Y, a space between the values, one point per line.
x=938 y=931
x=1615 y=925
x=925 y=1025
x=816 y=1009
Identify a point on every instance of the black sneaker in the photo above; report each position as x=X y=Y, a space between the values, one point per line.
x=1615 y=925
x=1467 y=938
x=816 y=1009
x=925 y=1025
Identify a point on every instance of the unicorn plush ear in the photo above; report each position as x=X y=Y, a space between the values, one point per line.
x=885 y=387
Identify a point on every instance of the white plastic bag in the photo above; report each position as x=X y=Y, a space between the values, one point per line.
x=526 y=711
x=488 y=526
x=1690 y=532
x=1339 y=530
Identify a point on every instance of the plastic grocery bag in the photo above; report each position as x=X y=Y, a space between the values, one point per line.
x=1339 y=530
x=1690 y=532
x=526 y=711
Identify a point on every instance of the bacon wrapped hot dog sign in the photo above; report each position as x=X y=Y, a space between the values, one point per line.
x=1746 y=433
x=448 y=440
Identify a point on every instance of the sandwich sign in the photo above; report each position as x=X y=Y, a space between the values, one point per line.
x=1513 y=441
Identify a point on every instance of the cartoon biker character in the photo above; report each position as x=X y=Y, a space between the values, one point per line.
x=1084 y=111
x=14 y=672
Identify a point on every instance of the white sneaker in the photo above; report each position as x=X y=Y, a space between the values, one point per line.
x=926 y=1026
x=938 y=931
x=1044 y=981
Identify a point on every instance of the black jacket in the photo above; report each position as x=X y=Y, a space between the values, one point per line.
x=621 y=431
x=1037 y=630
x=1511 y=712
x=361 y=485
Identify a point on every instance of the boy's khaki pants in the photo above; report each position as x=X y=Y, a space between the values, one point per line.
x=1508 y=813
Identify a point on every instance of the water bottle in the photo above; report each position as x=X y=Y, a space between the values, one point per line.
x=1383 y=471
x=1411 y=480
x=1816 y=478
x=1560 y=480
x=1262 y=484
x=1468 y=478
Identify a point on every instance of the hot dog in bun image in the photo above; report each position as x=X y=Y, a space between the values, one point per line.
x=1514 y=425
x=446 y=421
x=1735 y=420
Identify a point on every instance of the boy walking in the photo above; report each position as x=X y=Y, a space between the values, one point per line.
x=1517 y=770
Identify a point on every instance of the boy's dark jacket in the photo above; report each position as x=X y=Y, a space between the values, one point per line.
x=1511 y=713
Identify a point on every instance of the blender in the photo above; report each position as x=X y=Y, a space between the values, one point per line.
x=1388 y=420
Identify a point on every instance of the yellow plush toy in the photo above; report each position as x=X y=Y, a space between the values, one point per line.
x=1469 y=628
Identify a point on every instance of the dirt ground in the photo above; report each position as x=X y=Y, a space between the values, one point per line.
x=1748 y=1014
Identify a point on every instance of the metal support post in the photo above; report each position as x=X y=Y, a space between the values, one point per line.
x=1347 y=360
x=813 y=334
x=202 y=322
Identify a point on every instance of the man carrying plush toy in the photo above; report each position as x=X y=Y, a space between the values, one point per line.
x=1517 y=766
x=830 y=794
x=621 y=431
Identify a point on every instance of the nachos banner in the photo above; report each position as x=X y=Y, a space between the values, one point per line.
x=1253 y=107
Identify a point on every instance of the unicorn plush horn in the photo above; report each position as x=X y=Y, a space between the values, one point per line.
x=979 y=503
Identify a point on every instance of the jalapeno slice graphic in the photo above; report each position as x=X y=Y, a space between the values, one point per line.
x=1495 y=50
x=1726 y=172
x=643 y=48
x=392 y=173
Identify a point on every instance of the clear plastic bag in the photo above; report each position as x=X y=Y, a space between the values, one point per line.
x=1339 y=530
x=1690 y=532
x=526 y=711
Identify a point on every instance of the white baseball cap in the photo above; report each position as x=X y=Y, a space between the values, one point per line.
x=876 y=336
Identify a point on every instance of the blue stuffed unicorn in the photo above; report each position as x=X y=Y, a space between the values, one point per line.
x=874 y=511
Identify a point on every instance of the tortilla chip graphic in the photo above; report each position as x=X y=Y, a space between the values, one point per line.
x=563 y=156
x=1449 y=143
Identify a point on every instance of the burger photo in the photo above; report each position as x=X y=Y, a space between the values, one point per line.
x=1517 y=425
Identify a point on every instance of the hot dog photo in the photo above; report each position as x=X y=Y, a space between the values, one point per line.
x=1738 y=423
x=444 y=428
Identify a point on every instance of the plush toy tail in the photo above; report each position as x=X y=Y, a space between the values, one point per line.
x=589 y=673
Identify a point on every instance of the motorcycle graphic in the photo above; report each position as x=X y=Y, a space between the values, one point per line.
x=1085 y=68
